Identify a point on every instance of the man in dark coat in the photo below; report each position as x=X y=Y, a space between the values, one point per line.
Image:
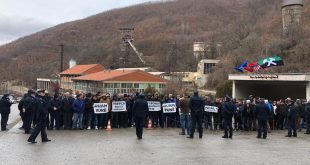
x=229 y=110
x=196 y=105
x=41 y=106
x=262 y=113
x=67 y=110
x=307 y=117
x=29 y=111
x=291 y=118
x=140 y=109
x=55 y=107
x=5 y=110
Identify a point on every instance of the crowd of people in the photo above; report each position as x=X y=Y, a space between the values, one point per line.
x=67 y=111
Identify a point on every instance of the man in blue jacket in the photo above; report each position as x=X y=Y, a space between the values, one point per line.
x=78 y=110
x=140 y=110
x=197 y=105
x=262 y=113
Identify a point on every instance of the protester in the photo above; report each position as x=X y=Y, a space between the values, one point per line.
x=67 y=110
x=262 y=113
x=247 y=111
x=78 y=110
x=104 y=117
x=184 y=115
x=92 y=121
x=55 y=107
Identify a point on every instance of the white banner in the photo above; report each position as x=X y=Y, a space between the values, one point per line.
x=169 y=108
x=119 y=106
x=101 y=108
x=212 y=109
x=154 y=106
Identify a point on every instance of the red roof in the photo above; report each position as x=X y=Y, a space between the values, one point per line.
x=120 y=75
x=83 y=69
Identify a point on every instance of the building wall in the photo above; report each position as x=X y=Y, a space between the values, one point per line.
x=66 y=81
x=274 y=90
x=115 y=87
x=291 y=15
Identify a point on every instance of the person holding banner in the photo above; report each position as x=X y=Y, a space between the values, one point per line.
x=104 y=116
x=140 y=109
x=229 y=110
x=196 y=105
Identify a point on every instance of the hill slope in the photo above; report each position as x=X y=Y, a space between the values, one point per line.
x=243 y=27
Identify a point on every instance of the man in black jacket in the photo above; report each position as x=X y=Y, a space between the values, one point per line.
x=229 y=110
x=196 y=105
x=262 y=113
x=307 y=117
x=140 y=109
x=41 y=106
x=291 y=118
x=29 y=111
x=55 y=107
x=5 y=110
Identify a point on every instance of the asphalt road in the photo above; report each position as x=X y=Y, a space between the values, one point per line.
x=159 y=146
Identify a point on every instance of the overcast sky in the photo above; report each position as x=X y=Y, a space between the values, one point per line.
x=23 y=17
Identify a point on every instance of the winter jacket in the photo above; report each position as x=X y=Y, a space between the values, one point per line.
x=262 y=111
x=78 y=106
x=5 y=106
x=184 y=106
x=140 y=107
x=229 y=109
x=196 y=104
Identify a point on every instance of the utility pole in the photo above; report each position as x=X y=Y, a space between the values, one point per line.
x=61 y=57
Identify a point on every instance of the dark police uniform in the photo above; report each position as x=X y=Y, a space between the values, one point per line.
x=196 y=104
x=41 y=105
x=262 y=113
x=5 y=110
x=229 y=110
x=307 y=117
x=291 y=117
x=28 y=105
x=140 y=110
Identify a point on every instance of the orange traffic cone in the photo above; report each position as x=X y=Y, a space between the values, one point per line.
x=149 y=126
x=109 y=126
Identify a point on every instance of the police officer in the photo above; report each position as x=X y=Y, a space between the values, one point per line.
x=291 y=118
x=41 y=106
x=262 y=113
x=307 y=117
x=196 y=105
x=29 y=111
x=140 y=109
x=229 y=110
x=5 y=110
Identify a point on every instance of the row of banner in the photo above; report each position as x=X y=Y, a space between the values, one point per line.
x=154 y=106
